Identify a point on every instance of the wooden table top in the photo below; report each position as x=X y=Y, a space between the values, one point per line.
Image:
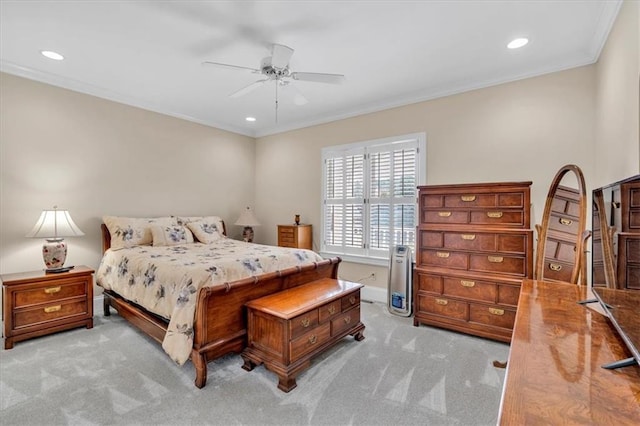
x=554 y=373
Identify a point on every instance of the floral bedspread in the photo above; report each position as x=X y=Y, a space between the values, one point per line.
x=166 y=280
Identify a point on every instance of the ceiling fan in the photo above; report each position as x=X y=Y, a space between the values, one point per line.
x=276 y=68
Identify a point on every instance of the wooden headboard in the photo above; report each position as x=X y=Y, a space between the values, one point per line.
x=106 y=236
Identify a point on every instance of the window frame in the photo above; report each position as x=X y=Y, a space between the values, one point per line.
x=367 y=254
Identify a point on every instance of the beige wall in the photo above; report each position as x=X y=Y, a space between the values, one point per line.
x=520 y=131
x=96 y=157
x=617 y=149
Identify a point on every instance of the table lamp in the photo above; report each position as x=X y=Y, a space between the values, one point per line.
x=54 y=225
x=247 y=219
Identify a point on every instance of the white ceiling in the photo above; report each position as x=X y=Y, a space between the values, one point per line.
x=149 y=53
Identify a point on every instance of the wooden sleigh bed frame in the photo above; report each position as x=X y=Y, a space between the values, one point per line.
x=220 y=317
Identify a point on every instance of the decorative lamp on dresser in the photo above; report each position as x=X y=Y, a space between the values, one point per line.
x=474 y=248
x=296 y=236
x=39 y=303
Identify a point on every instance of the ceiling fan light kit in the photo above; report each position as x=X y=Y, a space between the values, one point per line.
x=276 y=68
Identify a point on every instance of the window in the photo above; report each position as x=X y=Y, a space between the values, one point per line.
x=369 y=195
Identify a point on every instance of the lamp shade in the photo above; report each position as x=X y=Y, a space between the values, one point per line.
x=247 y=218
x=55 y=224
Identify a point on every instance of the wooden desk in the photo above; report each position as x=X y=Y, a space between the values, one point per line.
x=554 y=374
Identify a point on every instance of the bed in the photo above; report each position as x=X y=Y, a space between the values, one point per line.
x=191 y=296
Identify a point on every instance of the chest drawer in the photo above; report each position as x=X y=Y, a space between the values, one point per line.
x=475 y=240
x=50 y=312
x=345 y=321
x=303 y=323
x=310 y=340
x=49 y=293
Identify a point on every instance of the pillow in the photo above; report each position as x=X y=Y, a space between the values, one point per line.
x=185 y=220
x=170 y=235
x=206 y=230
x=130 y=231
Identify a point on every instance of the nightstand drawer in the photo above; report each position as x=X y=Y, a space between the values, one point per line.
x=50 y=312
x=49 y=293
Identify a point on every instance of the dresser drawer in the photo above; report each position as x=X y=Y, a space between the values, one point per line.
x=564 y=251
x=474 y=199
x=50 y=312
x=303 y=323
x=49 y=293
x=498 y=218
x=286 y=232
x=309 y=341
x=476 y=241
x=556 y=270
x=444 y=307
x=345 y=321
x=470 y=289
x=495 y=316
x=444 y=259
x=504 y=264
x=564 y=223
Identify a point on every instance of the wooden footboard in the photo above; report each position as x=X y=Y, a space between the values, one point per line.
x=220 y=321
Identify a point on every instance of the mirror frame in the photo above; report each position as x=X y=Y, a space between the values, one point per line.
x=580 y=266
x=606 y=240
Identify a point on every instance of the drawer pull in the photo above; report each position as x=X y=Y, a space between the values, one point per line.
x=347 y=320
x=494 y=215
x=496 y=311
x=305 y=322
x=469 y=237
x=442 y=302
x=332 y=310
x=468 y=198
x=442 y=254
x=555 y=266
x=51 y=290
x=313 y=339
x=444 y=214
x=495 y=259
x=352 y=300
x=50 y=309
x=565 y=221
x=467 y=283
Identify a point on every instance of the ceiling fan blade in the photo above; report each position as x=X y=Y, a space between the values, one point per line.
x=249 y=88
x=318 y=77
x=239 y=67
x=280 y=56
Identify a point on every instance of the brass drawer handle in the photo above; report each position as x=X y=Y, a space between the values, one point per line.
x=555 y=266
x=468 y=237
x=494 y=215
x=444 y=214
x=313 y=339
x=352 y=300
x=468 y=198
x=496 y=311
x=468 y=284
x=442 y=254
x=332 y=310
x=495 y=259
x=50 y=309
x=51 y=290
x=442 y=302
x=347 y=320
x=566 y=222
x=305 y=322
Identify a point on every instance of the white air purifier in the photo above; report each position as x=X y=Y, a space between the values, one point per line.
x=400 y=281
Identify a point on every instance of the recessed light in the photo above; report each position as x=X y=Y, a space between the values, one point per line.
x=518 y=43
x=52 y=55
x=252 y=119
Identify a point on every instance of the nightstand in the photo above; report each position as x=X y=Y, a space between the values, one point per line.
x=296 y=236
x=37 y=303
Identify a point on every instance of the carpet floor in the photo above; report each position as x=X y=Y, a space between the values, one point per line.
x=113 y=374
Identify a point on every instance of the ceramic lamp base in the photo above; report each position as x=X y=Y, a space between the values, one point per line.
x=247 y=234
x=54 y=253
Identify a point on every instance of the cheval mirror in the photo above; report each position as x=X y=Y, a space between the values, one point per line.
x=562 y=235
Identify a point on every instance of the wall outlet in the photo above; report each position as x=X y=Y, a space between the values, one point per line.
x=373 y=276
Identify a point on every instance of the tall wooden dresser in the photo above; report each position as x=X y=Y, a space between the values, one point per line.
x=474 y=248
